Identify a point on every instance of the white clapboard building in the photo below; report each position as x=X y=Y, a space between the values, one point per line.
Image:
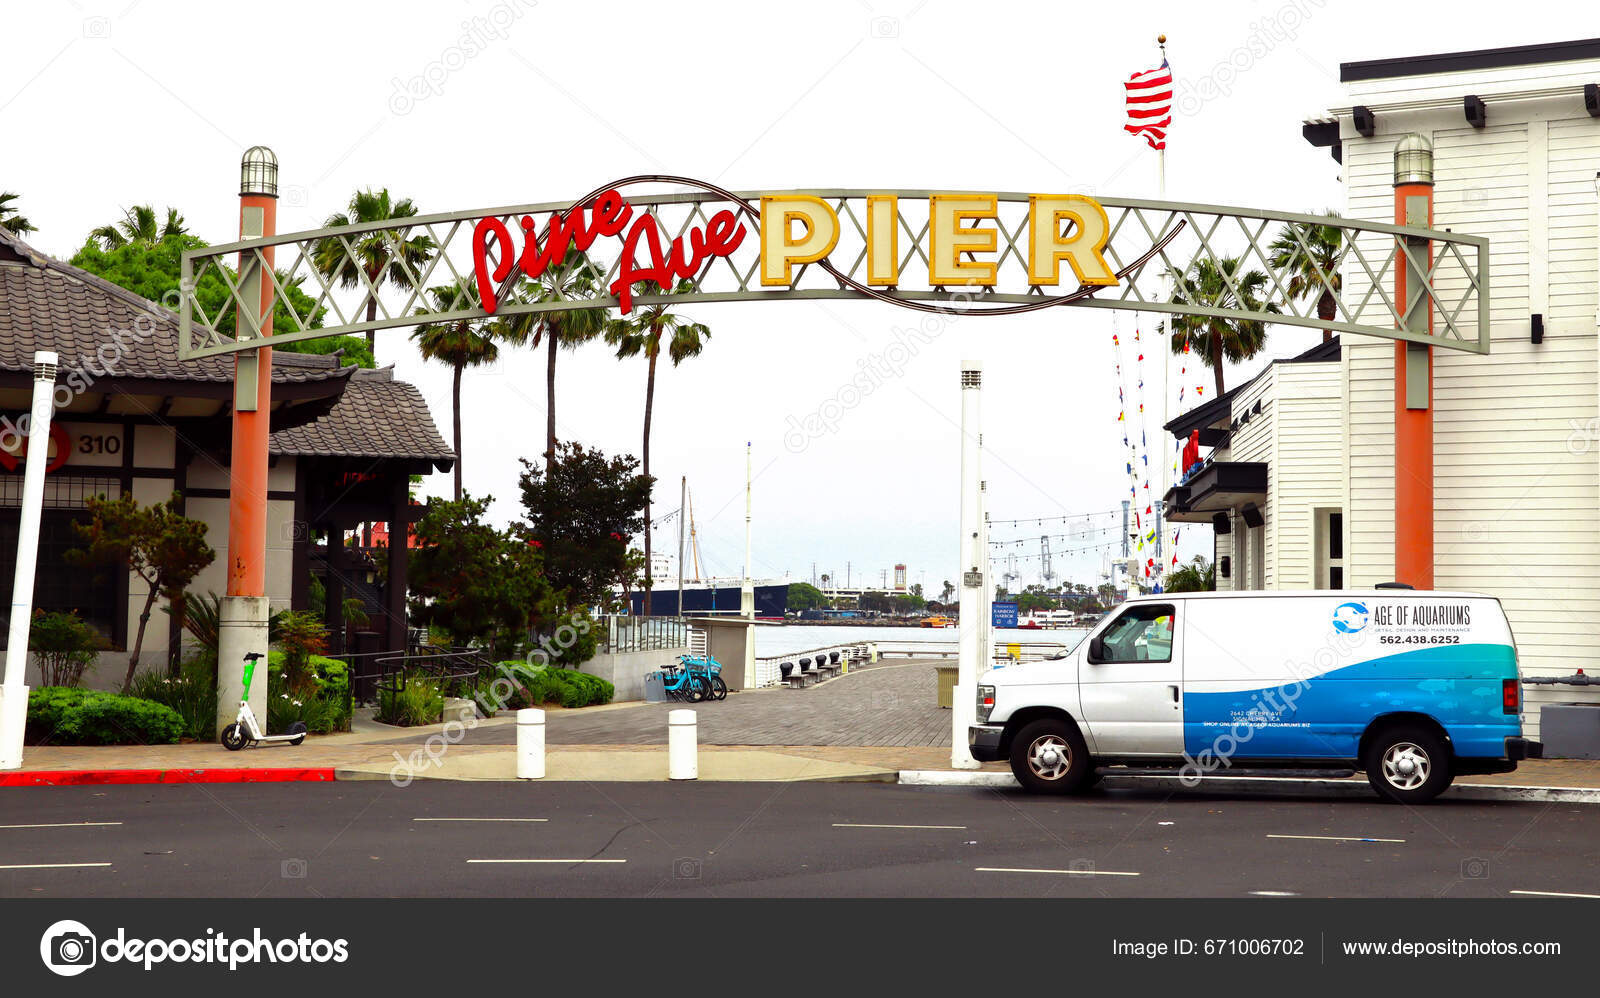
x=1516 y=139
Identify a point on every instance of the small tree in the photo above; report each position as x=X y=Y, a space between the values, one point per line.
x=478 y=583
x=157 y=543
x=300 y=635
x=63 y=646
x=581 y=510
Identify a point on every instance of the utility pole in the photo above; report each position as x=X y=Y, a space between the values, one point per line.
x=973 y=560
x=14 y=691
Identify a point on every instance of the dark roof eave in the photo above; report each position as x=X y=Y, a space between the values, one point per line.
x=1468 y=61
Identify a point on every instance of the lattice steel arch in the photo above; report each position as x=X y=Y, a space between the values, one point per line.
x=1147 y=238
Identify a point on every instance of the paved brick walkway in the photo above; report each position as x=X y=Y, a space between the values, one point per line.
x=892 y=705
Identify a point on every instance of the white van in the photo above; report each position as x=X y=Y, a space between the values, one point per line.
x=1413 y=687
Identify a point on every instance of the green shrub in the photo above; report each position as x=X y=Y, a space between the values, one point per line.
x=192 y=694
x=418 y=701
x=64 y=716
x=284 y=708
x=324 y=704
x=540 y=684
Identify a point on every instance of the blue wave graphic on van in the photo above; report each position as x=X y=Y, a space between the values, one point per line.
x=1457 y=685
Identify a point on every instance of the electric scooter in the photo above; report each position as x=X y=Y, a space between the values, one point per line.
x=246 y=729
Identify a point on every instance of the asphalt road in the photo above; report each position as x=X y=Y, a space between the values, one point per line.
x=772 y=840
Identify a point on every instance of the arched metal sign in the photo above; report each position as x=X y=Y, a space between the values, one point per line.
x=970 y=253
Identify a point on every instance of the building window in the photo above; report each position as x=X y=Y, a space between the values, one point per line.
x=90 y=593
x=1328 y=544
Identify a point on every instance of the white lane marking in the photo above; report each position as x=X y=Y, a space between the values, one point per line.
x=851 y=824
x=68 y=824
x=1333 y=838
x=1276 y=894
x=1556 y=894
x=50 y=866
x=546 y=861
x=480 y=819
x=1071 y=873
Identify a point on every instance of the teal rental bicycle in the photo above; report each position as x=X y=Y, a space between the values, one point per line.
x=708 y=669
x=246 y=729
x=682 y=683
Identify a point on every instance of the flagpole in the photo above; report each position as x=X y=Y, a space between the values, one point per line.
x=1166 y=368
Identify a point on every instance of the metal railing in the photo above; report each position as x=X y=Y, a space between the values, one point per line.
x=456 y=670
x=625 y=633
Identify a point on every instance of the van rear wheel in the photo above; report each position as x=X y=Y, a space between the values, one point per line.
x=1408 y=764
x=1050 y=757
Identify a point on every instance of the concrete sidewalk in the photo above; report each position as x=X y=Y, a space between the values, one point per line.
x=373 y=751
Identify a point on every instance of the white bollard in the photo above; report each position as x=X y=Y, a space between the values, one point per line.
x=530 y=744
x=682 y=761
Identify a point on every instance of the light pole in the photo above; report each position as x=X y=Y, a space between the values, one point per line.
x=14 y=691
x=1413 y=369
x=243 y=615
x=974 y=568
x=747 y=591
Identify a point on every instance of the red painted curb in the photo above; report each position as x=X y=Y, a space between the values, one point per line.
x=94 y=777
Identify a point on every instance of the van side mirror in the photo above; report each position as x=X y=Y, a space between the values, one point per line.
x=1097 y=649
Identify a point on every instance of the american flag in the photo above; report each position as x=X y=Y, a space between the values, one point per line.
x=1150 y=104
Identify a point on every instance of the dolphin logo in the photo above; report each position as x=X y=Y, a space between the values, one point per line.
x=1350 y=618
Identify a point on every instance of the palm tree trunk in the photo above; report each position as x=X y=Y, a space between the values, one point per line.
x=1326 y=310
x=372 y=315
x=550 y=397
x=455 y=416
x=649 y=407
x=1218 y=360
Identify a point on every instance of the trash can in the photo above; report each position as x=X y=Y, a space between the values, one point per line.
x=947 y=684
x=655 y=688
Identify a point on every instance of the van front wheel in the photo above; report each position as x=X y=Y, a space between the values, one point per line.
x=1408 y=764
x=1050 y=757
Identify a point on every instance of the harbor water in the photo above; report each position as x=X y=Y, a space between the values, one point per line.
x=787 y=639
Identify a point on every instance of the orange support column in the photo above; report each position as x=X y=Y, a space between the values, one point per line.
x=1413 y=370
x=252 y=413
x=242 y=624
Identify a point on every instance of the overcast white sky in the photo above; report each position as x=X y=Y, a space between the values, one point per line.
x=108 y=103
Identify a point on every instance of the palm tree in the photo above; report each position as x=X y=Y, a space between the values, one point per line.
x=462 y=344
x=378 y=255
x=1216 y=340
x=642 y=332
x=1199 y=576
x=10 y=220
x=576 y=279
x=140 y=227
x=1322 y=249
